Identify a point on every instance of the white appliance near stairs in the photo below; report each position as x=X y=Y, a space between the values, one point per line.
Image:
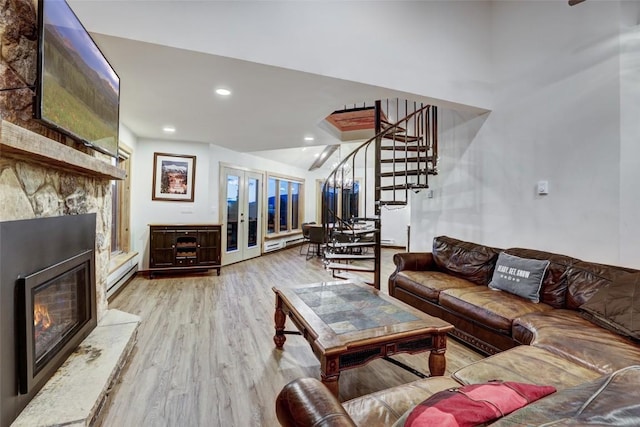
x=397 y=159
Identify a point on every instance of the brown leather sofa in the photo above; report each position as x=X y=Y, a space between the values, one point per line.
x=610 y=400
x=548 y=343
x=451 y=283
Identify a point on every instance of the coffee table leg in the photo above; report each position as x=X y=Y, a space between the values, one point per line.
x=331 y=382
x=279 y=338
x=437 y=360
x=330 y=373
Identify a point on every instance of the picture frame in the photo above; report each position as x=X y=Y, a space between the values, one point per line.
x=173 y=177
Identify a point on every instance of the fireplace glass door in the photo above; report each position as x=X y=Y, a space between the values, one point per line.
x=55 y=307
x=56 y=311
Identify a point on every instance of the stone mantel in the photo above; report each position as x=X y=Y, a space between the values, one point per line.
x=21 y=143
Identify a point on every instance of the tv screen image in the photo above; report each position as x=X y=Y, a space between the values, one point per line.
x=78 y=91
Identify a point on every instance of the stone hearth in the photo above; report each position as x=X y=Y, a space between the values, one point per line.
x=78 y=391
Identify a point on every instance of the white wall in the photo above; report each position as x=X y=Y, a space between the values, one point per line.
x=556 y=117
x=456 y=206
x=560 y=80
x=629 y=132
x=126 y=136
x=205 y=208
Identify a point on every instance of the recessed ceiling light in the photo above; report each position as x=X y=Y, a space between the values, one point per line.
x=168 y=129
x=308 y=138
x=316 y=155
x=223 y=92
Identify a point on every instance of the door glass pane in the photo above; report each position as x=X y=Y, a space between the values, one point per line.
x=252 y=200
x=284 y=204
x=354 y=203
x=114 y=217
x=233 y=192
x=331 y=202
x=350 y=201
x=271 y=210
x=295 y=205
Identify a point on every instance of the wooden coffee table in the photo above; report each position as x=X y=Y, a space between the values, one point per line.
x=349 y=324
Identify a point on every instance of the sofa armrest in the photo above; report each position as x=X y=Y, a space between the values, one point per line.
x=414 y=261
x=307 y=402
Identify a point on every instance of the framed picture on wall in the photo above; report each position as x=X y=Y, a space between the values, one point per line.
x=173 y=177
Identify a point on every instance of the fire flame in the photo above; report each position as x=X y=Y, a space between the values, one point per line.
x=41 y=316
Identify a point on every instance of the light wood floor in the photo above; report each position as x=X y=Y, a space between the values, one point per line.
x=205 y=354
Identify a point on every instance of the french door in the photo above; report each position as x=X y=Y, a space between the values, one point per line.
x=241 y=214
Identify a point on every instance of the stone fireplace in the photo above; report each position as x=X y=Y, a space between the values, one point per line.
x=47 y=300
x=43 y=176
x=41 y=179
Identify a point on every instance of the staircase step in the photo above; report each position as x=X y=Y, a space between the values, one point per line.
x=344 y=245
x=400 y=160
x=349 y=256
x=364 y=219
x=348 y=267
x=400 y=174
x=354 y=277
x=402 y=187
x=387 y=125
x=401 y=137
x=356 y=231
x=393 y=203
x=409 y=148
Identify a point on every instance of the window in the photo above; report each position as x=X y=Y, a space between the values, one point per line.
x=344 y=201
x=271 y=206
x=115 y=218
x=120 y=203
x=295 y=205
x=284 y=205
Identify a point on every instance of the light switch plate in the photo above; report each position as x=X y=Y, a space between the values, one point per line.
x=543 y=187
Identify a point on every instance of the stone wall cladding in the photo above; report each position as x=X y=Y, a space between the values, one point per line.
x=18 y=61
x=31 y=190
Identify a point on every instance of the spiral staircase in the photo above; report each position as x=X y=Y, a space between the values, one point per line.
x=397 y=160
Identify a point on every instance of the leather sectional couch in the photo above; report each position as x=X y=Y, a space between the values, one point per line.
x=451 y=283
x=581 y=337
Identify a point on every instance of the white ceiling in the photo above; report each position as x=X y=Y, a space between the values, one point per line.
x=271 y=109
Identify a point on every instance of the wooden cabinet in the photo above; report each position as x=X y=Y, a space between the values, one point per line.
x=182 y=247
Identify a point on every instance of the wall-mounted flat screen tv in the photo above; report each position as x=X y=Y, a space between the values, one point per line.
x=77 y=92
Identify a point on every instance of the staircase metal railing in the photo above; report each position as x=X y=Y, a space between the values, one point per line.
x=397 y=159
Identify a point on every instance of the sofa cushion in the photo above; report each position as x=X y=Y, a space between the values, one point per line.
x=474 y=404
x=567 y=334
x=428 y=284
x=609 y=400
x=519 y=276
x=617 y=307
x=585 y=278
x=493 y=309
x=468 y=260
x=554 y=285
x=385 y=407
x=526 y=364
